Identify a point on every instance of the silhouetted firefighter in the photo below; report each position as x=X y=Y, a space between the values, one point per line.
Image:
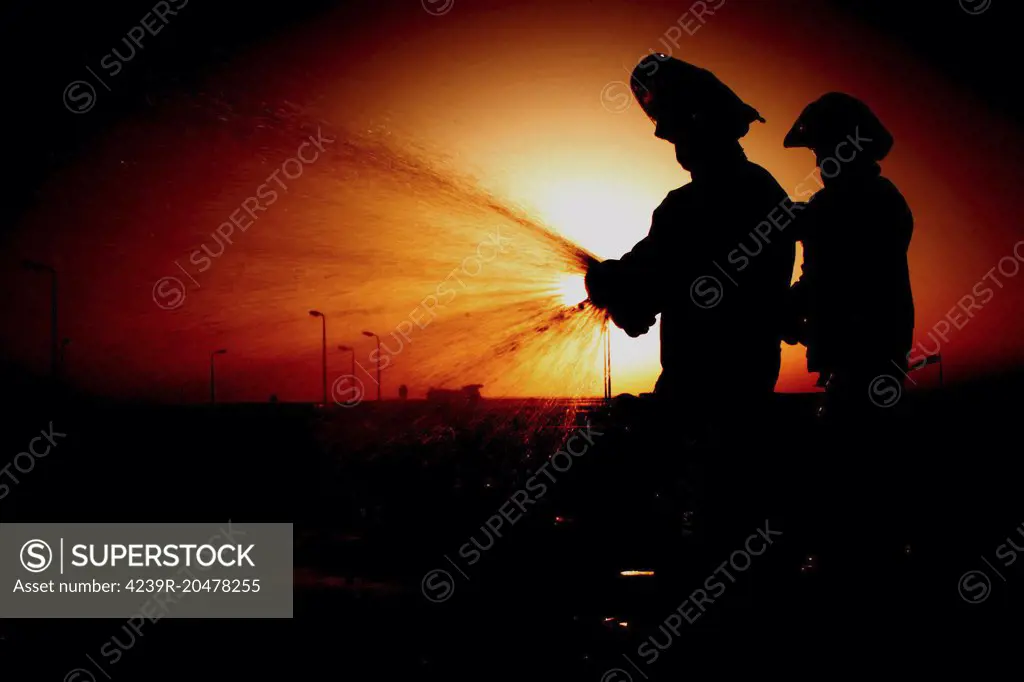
x=709 y=317
x=854 y=298
x=856 y=317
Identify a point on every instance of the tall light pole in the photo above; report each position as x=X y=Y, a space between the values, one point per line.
x=42 y=267
x=607 y=363
x=213 y=377
x=317 y=313
x=374 y=336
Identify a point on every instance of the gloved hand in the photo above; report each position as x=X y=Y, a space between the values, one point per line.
x=607 y=287
x=600 y=283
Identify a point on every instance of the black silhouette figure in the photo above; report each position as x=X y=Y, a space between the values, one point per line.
x=853 y=300
x=720 y=287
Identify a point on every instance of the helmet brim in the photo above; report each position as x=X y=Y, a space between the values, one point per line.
x=834 y=118
x=796 y=137
x=666 y=87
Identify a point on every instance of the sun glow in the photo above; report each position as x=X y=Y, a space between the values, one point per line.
x=606 y=215
x=572 y=289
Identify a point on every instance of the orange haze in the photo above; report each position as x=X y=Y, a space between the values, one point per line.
x=527 y=96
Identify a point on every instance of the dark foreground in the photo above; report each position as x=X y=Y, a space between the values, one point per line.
x=431 y=544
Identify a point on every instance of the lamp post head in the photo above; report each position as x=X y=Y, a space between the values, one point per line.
x=221 y=351
x=316 y=313
x=344 y=347
x=370 y=334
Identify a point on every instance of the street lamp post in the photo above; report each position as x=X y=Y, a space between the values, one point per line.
x=42 y=267
x=374 y=336
x=607 y=364
x=213 y=376
x=323 y=318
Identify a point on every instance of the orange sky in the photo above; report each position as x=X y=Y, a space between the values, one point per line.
x=511 y=93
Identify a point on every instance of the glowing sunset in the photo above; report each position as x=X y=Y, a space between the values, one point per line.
x=531 y=122
x=539 y=339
